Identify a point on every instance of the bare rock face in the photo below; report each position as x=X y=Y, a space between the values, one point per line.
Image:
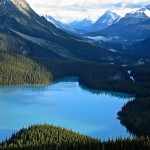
x=13 y=8
x=23 y=6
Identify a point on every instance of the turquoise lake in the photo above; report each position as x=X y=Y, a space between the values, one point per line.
x=64 y=104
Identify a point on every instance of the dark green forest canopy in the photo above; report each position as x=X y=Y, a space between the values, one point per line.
x=19 y=70
x=48 y=137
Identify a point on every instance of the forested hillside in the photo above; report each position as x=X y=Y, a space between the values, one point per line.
x=46 y=137
x=135 y=114
x=16 y=69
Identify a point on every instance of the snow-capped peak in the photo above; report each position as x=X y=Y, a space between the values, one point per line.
x=148 y=7
x=143 y=13
x=111 y=15
x=107 y=19
x=147 y=12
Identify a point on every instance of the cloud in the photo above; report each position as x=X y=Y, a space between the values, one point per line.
x=67 y=10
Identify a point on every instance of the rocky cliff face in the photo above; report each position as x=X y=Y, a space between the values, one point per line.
x=11 y=8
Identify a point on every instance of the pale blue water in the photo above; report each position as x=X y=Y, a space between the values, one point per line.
x=65 y=104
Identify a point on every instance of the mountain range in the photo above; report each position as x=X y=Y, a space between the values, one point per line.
x=107 y=19
x=86 y=25
x=24 y=32
x=135 y=25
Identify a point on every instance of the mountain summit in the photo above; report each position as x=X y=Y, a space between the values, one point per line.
x=107 y=19
x=143 y=13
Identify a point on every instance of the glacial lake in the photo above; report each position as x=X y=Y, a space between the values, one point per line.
x=64 y=104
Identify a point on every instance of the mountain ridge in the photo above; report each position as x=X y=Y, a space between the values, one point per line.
x=60 y=25
x=107 y=19
x=135 y=25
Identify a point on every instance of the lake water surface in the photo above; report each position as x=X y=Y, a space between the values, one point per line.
x=65 y=104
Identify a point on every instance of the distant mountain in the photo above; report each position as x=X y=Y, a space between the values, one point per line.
x=142 y=13
x=107 y=19
x=135 y=25
x=83 y=25
x=60 y=25
x=53 y=21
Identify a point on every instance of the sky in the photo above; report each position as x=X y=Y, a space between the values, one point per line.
x=69 y=10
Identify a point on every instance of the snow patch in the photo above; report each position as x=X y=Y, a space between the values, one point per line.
x=112 y=50
x=131 y=77
x=129 y=72
x=140 y=62
x=147 y=12
x=124 y=65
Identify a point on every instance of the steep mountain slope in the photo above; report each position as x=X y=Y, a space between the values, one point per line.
x=61 y=25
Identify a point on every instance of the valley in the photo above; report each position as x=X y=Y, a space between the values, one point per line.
x=34 y=51
x=61 y=103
